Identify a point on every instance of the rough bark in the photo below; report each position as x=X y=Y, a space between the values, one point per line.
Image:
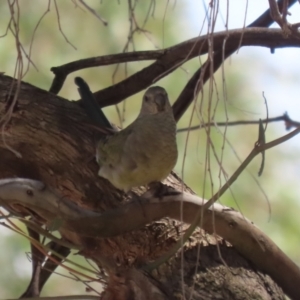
x=57 y=146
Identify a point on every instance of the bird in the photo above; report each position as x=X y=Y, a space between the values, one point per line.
x=146 y=150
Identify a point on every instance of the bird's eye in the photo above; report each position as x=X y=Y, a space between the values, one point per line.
x=146 y=98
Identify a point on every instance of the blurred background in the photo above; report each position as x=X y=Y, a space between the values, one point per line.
x=69 y=32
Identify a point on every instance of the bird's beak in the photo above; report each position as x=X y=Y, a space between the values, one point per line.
x=160 y=101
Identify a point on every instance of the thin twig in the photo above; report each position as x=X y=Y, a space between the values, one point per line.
x=104 y=22
x=32 y=38
x=261 y=141
x=289 y=123
x=59 y=26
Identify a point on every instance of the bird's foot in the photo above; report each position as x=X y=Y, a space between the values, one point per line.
x=159 y=190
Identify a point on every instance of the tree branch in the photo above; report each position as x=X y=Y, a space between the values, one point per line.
x=289 y=123
x=205 y=72
x=260 y=147
x=229 y=224
x=177 y=55
x=63 y=71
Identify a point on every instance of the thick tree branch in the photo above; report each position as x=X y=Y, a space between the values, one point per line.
x=170 y=59
x=63 y=71
x=229 y=224
x=177 y=55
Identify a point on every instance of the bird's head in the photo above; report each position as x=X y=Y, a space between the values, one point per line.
x=155 y=100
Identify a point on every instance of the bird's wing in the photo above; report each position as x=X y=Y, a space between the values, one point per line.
x=111 y=149
x=134 y=152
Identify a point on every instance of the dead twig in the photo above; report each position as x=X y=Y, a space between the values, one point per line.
x=289 y=123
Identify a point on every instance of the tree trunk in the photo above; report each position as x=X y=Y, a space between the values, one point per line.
x=57 y=146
